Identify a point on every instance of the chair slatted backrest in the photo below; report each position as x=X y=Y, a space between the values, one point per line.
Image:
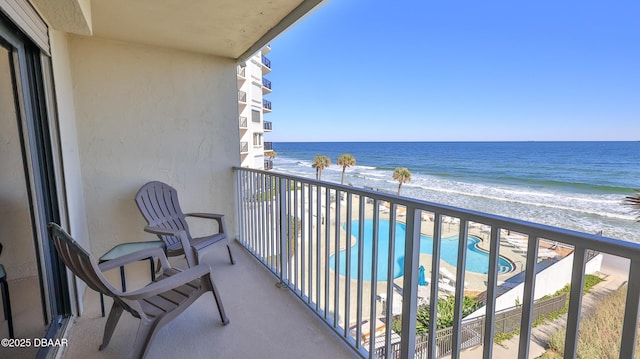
x=158 y=203
x=78 y=260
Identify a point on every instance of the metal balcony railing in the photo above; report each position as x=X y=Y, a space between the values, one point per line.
x=243 y=122
x=308 y=233
x=242 y=71
x=267 y=125
x=244 y=147
x=242 y=96
x=266 y=62
x=266 y=104
x=268 y=146
x=266 y=83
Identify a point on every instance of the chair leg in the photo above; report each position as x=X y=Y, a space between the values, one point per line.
x=112 y=321
x=216 y=295
x=6 y=300
x=146 y=331
x=230 y=255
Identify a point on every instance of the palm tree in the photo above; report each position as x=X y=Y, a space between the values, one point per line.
x=320 y=162
x=634 y=201
x=345 y=160
x=402 y=175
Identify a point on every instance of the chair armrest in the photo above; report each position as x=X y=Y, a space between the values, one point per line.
x=181 y=235
x=206 y=215
x=168 y=283
x=134 y=257
x=222 y=228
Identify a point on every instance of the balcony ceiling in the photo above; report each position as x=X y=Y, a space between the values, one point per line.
x=227 y=28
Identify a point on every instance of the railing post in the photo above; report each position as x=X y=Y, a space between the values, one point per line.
x=489 y=325
x=374 y=278
x=463 y=236
x=575 y=303
x=433 y=296
x=630 y=323
x=410 y=283
x=390 y=272
x=527 y=298
x=284 y=232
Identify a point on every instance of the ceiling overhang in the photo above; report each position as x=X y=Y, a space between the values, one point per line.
x=228 y=28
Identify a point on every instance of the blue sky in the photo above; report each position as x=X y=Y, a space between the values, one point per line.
x=415 y=70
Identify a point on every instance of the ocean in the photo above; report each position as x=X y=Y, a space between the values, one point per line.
x=574 y=185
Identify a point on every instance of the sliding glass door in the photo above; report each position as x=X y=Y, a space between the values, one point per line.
x=28 y=197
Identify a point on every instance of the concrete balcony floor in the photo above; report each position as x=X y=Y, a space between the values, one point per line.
x=266 y=322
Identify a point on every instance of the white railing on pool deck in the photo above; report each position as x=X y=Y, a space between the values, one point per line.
x=297 y=227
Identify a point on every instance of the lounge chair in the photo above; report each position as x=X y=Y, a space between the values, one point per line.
x=156 y=304
x=158 y=203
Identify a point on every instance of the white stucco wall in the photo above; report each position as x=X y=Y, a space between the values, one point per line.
x=146 y=113
x=74 y=193
x=69 y=137
x=548 y=281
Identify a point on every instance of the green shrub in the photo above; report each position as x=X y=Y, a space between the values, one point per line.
x=445 y=314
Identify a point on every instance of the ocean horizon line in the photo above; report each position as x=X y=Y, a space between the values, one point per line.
x=473 y=141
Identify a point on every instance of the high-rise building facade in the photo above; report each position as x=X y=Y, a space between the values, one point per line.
x=252 y=106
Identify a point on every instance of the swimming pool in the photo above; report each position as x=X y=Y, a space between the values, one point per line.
x=477 y=259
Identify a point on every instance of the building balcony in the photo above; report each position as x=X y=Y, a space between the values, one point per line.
x=244 y=147
x=243 y=123
x=266 y=49
x=242 y=72
x=242 y=97
x=264 y=319
x=268 y=164
x=266 y=86
x=266 y=65
x=267 y=126
x=266 y=106
x=268 y=146
x=293 y=243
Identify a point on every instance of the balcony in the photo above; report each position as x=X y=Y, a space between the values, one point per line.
x=292 y=228
x=266 y=106
x=268 y=165
x=266 y=65
x=264 y=320
x=266 y=86
x=267 y=126
x=242 y=72
x=242 y=97
x=243 y=122
x=268 y=146
x=244 y=147
x=266 y=49
x=298 y=228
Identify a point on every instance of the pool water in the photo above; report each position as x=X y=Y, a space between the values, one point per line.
x=477 y=260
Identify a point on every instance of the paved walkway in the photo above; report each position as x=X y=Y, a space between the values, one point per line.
x=614 y=277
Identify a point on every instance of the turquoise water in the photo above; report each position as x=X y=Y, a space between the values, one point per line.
x=477 y=260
